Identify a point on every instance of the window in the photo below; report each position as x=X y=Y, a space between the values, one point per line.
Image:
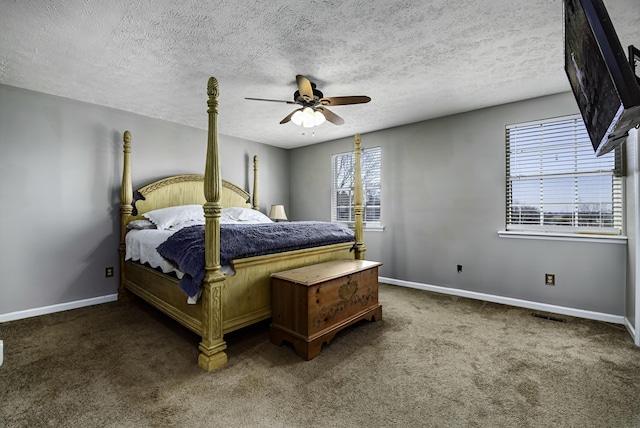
x=555 y=183
x=343 y=167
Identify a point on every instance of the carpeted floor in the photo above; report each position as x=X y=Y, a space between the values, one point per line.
x=432 y=361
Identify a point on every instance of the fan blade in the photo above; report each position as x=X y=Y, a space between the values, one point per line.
x=343 y=101
x=288 y=118
x=272 y=101
x=304 y=86
x=331 y=116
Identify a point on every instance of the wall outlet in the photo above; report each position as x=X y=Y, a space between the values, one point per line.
x=550 y=279
x=108 y=272
x=459 y=268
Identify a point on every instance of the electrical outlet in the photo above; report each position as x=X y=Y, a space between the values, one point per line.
x=459 y=268
x=108 y=272
x=550 y=279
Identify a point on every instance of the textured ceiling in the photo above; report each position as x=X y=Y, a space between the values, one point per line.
x=416 y=59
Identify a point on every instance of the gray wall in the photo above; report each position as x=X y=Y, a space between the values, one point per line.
x=444 y=202
x=60 y=172
x=443 y=190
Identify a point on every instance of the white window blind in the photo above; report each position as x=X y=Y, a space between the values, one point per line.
x=555 y=182
x=342 y=202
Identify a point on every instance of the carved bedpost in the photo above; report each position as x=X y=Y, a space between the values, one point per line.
x=256 y=199
x=126 y=208
x=212 y=345
x=358 y=209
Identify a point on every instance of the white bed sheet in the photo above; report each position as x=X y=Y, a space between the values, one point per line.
x=141 y=247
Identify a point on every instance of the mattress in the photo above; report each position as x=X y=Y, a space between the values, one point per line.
x=141 y=247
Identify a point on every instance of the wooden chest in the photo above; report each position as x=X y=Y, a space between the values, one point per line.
x=311 y=304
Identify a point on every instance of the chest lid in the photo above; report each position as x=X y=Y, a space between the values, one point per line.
x=322 y=272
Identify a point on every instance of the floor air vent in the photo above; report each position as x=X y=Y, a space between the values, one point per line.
x=548 y=317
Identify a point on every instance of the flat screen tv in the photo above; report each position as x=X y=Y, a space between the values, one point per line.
x=602 y=79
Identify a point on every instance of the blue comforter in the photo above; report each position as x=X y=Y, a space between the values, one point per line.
x=185 y=248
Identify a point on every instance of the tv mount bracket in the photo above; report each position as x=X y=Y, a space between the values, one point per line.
x=634 y=56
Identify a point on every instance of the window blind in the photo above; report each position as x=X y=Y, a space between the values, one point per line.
x=342 y=201
x=555 y=181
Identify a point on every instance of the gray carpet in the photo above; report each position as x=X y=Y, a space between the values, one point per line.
x=433 y=361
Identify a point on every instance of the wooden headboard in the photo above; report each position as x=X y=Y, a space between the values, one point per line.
x=185 y=189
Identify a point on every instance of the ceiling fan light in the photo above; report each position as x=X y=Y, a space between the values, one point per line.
x=308 y=117
x=318 y=118
x=297 y=118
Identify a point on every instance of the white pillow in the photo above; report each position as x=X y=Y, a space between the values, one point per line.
x=164 y=218
x=243 y=215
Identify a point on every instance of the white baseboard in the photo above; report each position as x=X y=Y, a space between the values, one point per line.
x=580 y=313
x=12 y=316
x=627 y=323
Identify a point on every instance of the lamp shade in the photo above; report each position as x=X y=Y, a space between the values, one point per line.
x=297 y=118
x=308 y=117
x=318 y=118
x=277 y=213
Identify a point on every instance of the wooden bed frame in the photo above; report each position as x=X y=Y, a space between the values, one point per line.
x=228 y=302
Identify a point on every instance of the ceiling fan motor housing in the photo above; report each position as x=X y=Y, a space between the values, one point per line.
x=317 y=94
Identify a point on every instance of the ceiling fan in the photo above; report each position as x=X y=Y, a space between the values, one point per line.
x=313 y=110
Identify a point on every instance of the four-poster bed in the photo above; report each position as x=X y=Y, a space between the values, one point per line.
x=227 y=302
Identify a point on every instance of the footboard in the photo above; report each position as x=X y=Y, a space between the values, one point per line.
x=246 y=296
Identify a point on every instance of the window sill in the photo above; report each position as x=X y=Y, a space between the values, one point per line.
x=554 y=236
x=367 y=228
x=373 y=228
